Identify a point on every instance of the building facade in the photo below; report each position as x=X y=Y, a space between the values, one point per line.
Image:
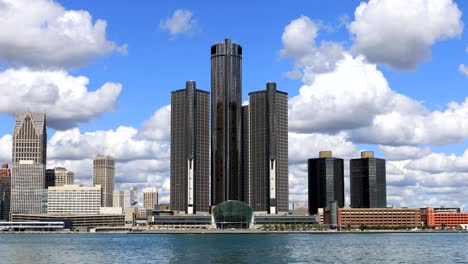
x=266 y=138
x=29 y=159
x=226 y=108
x=5 y=191
x=59 y=176
x=443 y=217
x=103 y=175
x=355 y=217
x=190 y=150
x=368 y=182
x=326 y=181
x=74 y=199
x=150 y=199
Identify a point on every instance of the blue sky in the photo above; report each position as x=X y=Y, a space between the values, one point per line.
x=380 y=79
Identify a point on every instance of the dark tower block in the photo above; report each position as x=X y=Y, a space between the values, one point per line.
x=326 y=182
x=226 y=108
x=368 y=183
x=190 y=150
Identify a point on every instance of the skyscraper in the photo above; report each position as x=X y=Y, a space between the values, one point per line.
x=150 y=198
x=5 y=191
x=104 y=174
x=29 y=158
x=190 y=149
x=326 y=181
x=59 y=176
x=226 y=107
x=368 y=183
x=267 y=155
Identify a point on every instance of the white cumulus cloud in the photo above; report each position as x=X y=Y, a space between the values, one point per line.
x=181 y=22
x=66 y=99
x=42 y=33
x=158 y=126
x=400 y=33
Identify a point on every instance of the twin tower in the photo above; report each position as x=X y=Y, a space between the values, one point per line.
x=249 y=144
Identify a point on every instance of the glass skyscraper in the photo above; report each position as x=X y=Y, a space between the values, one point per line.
x=368 y=183
x=226 y=108
x=29 y=159
x=190 y=150
x=326 y=182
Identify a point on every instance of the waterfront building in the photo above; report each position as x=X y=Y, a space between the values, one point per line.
x=190 y=169
x=150 y=198
x=5 y=190
x=103 y=175
x=59 y=176
x=326 y=181
x=443 y=217
x=29 y=159
x=82 y=222
x=226 y=107
x=74 y=199
x=266 y=139
x=355 y=217
x=368 y=183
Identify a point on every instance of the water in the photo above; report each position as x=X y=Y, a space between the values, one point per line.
x=234 y=248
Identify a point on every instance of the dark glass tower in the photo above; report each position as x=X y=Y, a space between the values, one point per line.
x=190 y=150
x=326 y=182
x=368 y=183
x=266 y=139
x=226 y=107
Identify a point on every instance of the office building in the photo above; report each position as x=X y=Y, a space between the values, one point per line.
x=266 y=138
x=190 y=150
x=74 y=199
x=150 y=198
x=119 y=198
x=29 y=159
x=326 y=181
x=355 y=217
x=5 y=190
x=368 y=183
x=226 y=108
x=59 y=176
x=443 y=217
x=103 y=175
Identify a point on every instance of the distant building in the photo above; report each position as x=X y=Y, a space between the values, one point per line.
x=74 y=199
x=299 y=206
x=190 y=156
x=5 y=192
x=326 y=181
x=29 y=158
x=59 y=176
x=266 y=140
x=368 y=183
x=443 y=217
x=104 y=175
x=226 y=107
x=150 y=198
x=356 y=217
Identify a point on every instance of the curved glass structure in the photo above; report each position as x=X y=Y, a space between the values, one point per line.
x=232 y=214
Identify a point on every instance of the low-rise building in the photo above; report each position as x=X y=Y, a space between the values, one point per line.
x=354 y=217
x=74 y=199
x=443 y=217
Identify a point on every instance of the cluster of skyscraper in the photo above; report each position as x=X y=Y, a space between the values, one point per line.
x=249 y=144
x=32 y=189
x=326 y=182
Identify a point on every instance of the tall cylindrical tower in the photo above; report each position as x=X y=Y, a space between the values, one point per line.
x=226 y=107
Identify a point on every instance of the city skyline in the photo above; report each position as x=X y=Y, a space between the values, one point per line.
x=353 y=92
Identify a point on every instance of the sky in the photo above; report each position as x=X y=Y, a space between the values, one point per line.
x=384 y=75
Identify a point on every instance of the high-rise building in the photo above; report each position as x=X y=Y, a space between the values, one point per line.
x=59 y=176
x=150 y=198
x=326 y=182
x=368 y=183
x=267 y=155
x=190 y=150
x=29 y=159
x=5 y=190
x=226 y=108
x=104 y=174
x=74 y=199
x=118 y=199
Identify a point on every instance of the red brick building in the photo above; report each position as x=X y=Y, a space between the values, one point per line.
x=379 y=217
x=435 y=217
